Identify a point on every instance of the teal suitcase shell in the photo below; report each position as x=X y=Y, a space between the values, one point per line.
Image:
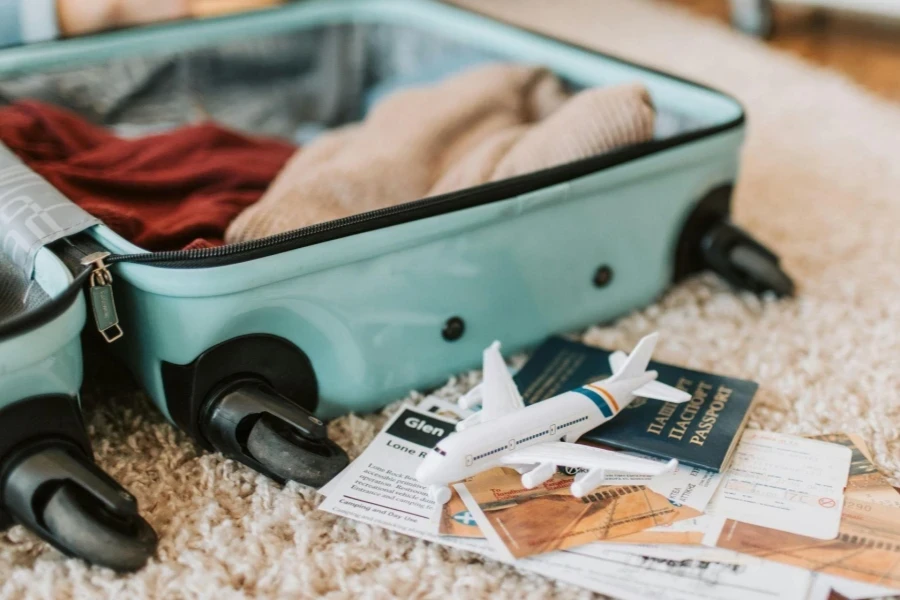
x=48 y=480
x=248 y=346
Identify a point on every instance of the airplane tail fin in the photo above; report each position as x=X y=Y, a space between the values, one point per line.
x=636 y=363
x=635 y=366
x=617 y=361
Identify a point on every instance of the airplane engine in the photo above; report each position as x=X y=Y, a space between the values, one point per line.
x=538 y=475
x=585 y=483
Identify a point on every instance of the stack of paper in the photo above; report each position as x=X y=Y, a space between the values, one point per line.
x=777 y=524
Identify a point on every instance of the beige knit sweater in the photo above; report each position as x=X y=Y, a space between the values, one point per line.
x=486 y=124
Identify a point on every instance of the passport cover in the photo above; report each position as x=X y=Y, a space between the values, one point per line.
x=702 y=432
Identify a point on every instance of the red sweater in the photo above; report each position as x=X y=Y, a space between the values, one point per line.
x=161 y=192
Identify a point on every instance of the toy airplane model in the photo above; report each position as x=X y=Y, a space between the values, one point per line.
x=508 y=433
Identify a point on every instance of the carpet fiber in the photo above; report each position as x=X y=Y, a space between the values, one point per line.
x=820 y=184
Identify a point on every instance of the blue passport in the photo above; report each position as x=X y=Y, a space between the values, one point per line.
x=702 y=432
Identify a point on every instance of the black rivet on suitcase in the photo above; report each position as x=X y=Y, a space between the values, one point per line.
x=602 y=276
x=453 y=329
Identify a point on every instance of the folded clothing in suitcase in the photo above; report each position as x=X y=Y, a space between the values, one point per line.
x=486 y=124
x=238 y=344
x=181 y=189
x=168 y=191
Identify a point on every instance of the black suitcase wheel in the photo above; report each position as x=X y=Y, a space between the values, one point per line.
x=742 y=261
x=759 y=266
x=55 y=489
x=78 y=522
x=293 y=456
x=249 y=421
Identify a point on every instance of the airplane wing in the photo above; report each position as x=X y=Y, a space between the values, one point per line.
x=472 y=398
x=660 y=391
x=499 y=395
x=563 y=454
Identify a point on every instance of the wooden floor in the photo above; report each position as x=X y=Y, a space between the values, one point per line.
x=864 y=49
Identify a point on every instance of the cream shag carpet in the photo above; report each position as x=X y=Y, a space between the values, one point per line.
x=821 y=184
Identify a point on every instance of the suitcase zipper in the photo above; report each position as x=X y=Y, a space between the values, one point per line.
x=274 y=244
x=103 y=302
x=83 y=250
x=89 y=261
x=411 y=211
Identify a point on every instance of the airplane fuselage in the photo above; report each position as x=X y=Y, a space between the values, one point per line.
x=565 y=417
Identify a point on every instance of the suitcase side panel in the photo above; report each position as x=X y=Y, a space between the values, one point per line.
x=44 y=364
x=47 y=359
x=370 y=319
x=58 y=373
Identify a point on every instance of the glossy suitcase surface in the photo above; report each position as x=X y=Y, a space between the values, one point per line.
x=351 y=314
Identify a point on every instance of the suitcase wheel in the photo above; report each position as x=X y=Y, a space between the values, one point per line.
x=292 y=456
x=744 y=262
x=62 y=496
x=100 y=536
x=709 y=240
x=760 y=268
x=250 y=422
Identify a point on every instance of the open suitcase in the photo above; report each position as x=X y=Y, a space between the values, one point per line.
x=247 y=346
x=48 y=480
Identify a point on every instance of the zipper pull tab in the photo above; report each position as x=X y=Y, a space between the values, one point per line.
x=102 y=301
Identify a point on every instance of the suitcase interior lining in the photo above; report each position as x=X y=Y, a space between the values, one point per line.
x=277 y=85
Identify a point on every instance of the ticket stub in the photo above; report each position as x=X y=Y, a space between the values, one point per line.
x=867 y=549
x=785 y=482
